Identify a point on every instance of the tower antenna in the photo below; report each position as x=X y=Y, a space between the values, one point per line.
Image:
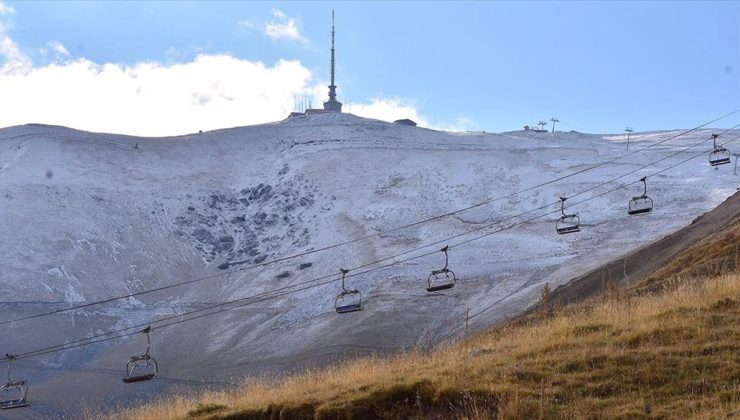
x=332 y=95
x=332 y=105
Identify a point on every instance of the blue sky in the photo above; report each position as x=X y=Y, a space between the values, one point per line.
x=495 y=66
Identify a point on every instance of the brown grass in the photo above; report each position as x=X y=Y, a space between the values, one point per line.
x=715 y=255
x=672 y=354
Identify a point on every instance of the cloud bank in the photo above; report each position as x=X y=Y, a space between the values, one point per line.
x=387 y=110
x=158 y=99
x=152 y=99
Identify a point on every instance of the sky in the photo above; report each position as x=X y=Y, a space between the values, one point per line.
x=169 y=68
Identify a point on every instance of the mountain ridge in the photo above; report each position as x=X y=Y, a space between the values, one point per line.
x=90 y=216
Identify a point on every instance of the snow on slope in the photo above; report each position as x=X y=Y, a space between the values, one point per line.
x=87 y=216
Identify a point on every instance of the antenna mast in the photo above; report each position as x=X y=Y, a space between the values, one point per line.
x=332 y=94
x=332 y=105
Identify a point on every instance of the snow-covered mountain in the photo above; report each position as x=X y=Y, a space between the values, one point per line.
x=87 y=216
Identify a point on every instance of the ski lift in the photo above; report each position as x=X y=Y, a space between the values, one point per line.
x=568 y=223
x=642 y=204
x=13 y=393
x=447 y=282
x=142 y=367
x=720 y=155
x=349 y=300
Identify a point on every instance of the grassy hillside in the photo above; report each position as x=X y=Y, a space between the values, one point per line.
x=710 y=257
x=672 y=354
x=665 y=347
x=705 y=248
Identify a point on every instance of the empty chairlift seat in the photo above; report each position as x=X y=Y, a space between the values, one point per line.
x=442 y=279
x=349 y=300
x=642 y=204
x=13 y=393
x=720 y=155
x=143 y=367
x=567 y=223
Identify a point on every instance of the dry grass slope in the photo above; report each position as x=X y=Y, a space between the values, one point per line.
x=670 y=353
x=712 y=256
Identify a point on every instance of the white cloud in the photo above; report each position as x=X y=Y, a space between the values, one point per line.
x=385 y=109
x=57 y=48
x=252 y=25
x=461 y=123
x=288 y=30
x=158 y=99
x=209 y=92
x=392 y=109
x=282 y=27
x=212 y=91
x=5 y=9
x=12 y=59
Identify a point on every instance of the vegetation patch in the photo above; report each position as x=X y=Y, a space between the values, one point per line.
x=205 y=409
x=581 y=330
x=673 y=353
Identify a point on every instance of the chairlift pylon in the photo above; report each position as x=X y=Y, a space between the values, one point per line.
x=567 y=223
x=435 y=283
x=142 y=367
x=641 y=204
x=349 y=300
x=13 y=393
x=720 y=155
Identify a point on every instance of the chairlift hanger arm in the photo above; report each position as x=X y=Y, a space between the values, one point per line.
x=10 y=358
x=146 y=331
x=344 y=272
x=447 y=259
x=562 y=206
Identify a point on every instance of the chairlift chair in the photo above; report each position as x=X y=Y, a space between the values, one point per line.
x=142 y=367
x=720 y=155
x=13 y=393
x=642 y=204
x=568 y=223
x=447 y=282
x=349 y=300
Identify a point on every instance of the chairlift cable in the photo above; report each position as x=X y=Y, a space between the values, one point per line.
x=421 y=247
x=266 y=296
x=340 y=244
x=622 y=187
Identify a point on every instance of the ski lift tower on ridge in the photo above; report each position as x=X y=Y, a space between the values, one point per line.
x=542 y=129
x=554 y=120
x=629 y=131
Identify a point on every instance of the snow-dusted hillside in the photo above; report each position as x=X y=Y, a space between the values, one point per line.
x=87 y=216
